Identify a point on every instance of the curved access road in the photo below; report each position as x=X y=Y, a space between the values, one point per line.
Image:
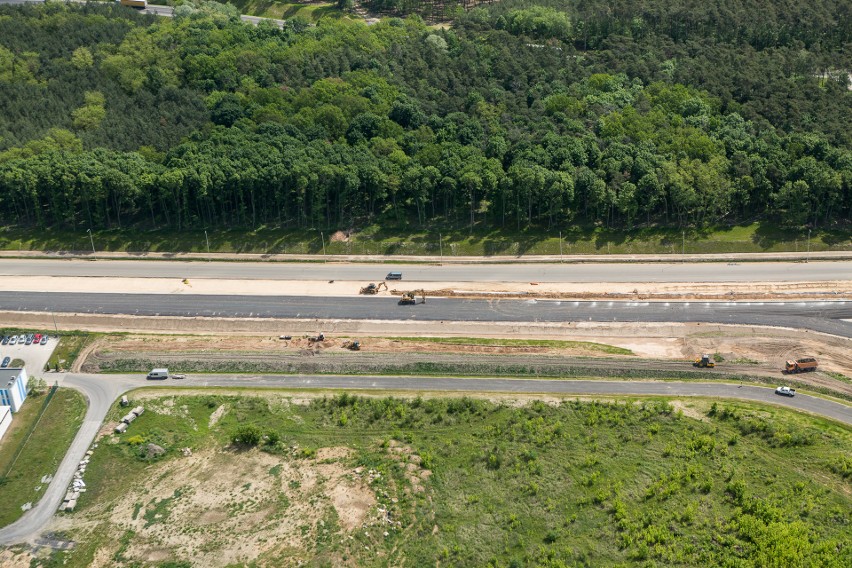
x=823 y=316
x=627 y=272
x=103 y=390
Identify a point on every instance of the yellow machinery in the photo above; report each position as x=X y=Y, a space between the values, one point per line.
x=408 y=298
x=705 y=361
x=371 y=289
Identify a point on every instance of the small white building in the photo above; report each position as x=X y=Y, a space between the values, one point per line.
x=5 y=419
x=13 y=387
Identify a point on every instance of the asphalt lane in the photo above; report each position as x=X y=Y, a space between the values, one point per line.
x=822 y=316
x=413 y=273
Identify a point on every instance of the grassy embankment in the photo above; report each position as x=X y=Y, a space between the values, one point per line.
x=578 y=483
x=376 y=241
x=70 y=345
x=24 y=466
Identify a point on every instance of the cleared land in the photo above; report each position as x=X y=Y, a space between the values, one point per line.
x=357 y=481
x=752 y=352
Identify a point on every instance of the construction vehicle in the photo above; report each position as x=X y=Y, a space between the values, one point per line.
x=804 y=365
x=352 y=345
x=408 y=298
x=705 y=362
x=138 y=4
x=318 y=338
x=371 y=289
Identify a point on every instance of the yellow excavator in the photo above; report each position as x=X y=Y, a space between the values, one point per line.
x=408 y=298
x=371 y=289
x=704 y=362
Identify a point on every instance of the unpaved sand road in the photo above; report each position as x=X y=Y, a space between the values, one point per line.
x=529 y=288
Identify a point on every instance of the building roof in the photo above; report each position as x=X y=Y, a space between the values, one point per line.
x=8 y=376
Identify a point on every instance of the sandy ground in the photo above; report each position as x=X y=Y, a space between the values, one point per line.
x=768 y=346
x=221 y=511
x=744 y=349
x=569 y=290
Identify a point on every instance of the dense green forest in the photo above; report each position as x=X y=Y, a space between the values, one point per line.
x=521 y=115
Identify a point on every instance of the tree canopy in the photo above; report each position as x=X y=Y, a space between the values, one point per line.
x=524 y=114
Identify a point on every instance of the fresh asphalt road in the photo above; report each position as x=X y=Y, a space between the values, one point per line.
x=822 y=316
x=103 y=390
x=413 y=273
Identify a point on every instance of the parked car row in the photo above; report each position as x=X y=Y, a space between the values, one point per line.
x=25 y=339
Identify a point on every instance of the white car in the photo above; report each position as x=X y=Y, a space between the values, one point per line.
x=785 y=391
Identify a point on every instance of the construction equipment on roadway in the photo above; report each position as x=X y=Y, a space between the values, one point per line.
x=804 y=365
x=705 y=362
x=371 y=288
x=408 y=298
x=352 y=345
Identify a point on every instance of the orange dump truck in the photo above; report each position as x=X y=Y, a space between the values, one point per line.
x=138 y=4
x=801 y=365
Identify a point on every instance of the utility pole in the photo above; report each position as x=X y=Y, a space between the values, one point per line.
x=322 y=237
x=208 y=241
x=55 y=327
x=560 y=247
x=683 y=244
x=808 y=258
x=441 y=247
x=92 y=239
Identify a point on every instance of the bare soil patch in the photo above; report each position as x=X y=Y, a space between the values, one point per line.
x=219 y=507
x=669 y=348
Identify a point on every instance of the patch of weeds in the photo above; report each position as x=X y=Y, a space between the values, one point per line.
x=839 y=377
x=275 y=470
x=160 y=510
x=124 y=542
x=307 y=453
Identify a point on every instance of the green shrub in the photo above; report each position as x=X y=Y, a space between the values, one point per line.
x=272 y=437
x=248 y=435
